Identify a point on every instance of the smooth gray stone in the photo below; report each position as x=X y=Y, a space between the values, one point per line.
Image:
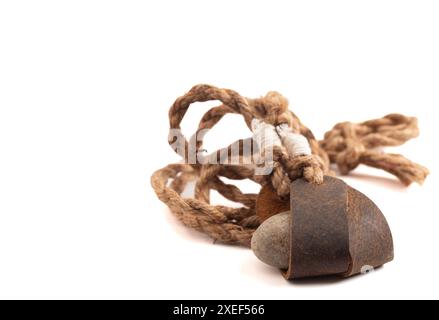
x=270 y=242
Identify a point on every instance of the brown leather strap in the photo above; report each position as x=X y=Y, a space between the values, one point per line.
x=319 y=238
x=335 y=230
x=370 y=238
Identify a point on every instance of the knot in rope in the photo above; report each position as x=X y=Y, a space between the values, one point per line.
x=286 y=153
x=351 y=148
x=351 y=144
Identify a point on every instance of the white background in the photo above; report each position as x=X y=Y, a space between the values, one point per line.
x=85 y=88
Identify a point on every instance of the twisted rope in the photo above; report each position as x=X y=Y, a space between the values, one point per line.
x=296 y=154
x=349 y=145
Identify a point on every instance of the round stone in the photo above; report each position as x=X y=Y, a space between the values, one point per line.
x=270 y=242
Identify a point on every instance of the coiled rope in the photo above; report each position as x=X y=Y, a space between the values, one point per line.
x=294 y=151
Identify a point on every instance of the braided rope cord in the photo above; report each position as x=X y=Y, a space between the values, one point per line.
x=347 y=145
